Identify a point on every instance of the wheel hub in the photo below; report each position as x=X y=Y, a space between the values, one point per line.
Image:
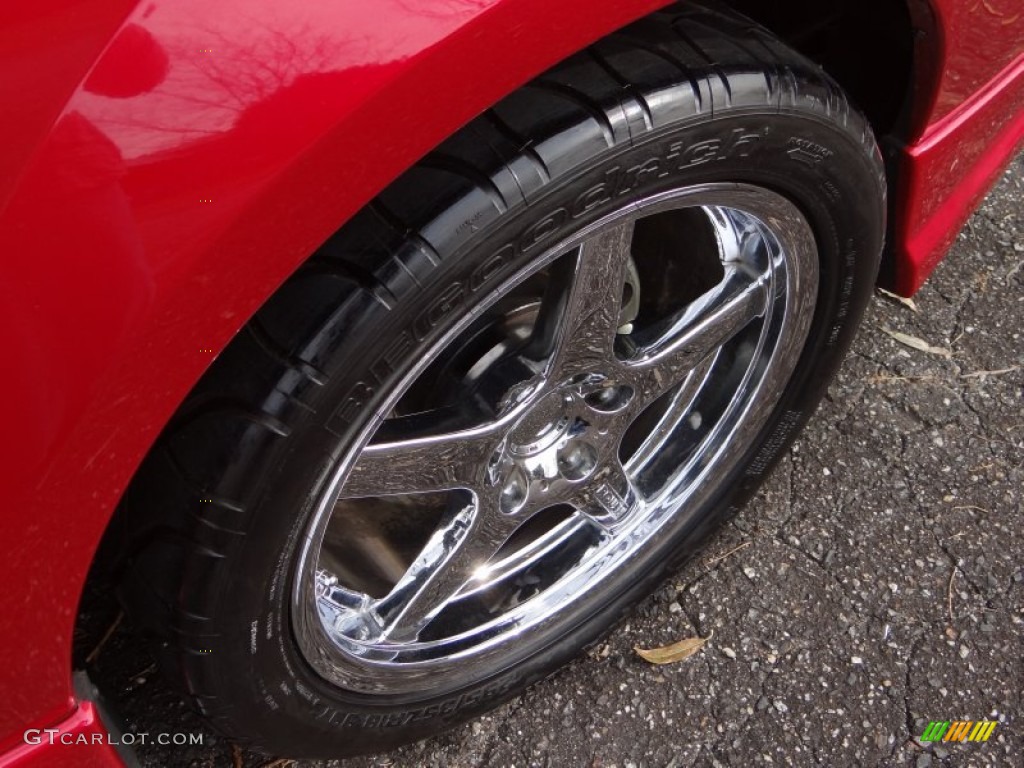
x=555 y=446
x=544 y=424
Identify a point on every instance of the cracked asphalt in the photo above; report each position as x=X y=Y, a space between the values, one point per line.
x=874 y=584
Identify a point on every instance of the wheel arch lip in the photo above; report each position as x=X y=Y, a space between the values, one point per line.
x=180 y=209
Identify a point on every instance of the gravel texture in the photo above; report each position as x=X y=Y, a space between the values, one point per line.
x=875 y=583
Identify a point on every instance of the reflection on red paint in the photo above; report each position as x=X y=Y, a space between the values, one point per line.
x=134 y=64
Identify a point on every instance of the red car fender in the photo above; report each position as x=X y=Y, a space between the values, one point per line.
x=967 y=125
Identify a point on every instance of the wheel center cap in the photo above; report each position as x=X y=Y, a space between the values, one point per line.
x=542 y=425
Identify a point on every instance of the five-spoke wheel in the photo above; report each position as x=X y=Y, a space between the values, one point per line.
x=568 y=408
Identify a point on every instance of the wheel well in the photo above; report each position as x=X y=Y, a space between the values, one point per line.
x=868 y=46
x=883 y=53
x=836 y=35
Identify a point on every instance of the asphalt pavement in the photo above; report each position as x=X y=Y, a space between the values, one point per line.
x=875 y=584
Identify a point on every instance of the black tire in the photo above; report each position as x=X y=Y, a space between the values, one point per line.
x=210 y=524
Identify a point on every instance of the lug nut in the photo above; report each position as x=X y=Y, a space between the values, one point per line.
x=513 y=494
x=609 y=399
x=577 y=461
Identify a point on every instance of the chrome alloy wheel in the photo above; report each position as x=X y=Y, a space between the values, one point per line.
x=588 y=408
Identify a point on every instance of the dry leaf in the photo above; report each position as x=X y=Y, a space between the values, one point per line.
x=909 y=303
x=983 y=374
x=919 y=344
x=675 y=652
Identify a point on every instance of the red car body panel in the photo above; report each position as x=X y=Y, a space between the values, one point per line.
x=80 y=740
x=951 y=166
x=165 y=166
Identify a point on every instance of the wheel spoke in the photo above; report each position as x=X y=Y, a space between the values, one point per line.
x=580 y=312
x=695 y=332
x=423 y=463
x=451 y=558
x=609 y=497
x=682 y=405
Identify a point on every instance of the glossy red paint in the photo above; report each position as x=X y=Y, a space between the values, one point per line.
x=948 y=170
x=977 y=40
x=147 y=210
x=80 y=740
x=968 y=121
